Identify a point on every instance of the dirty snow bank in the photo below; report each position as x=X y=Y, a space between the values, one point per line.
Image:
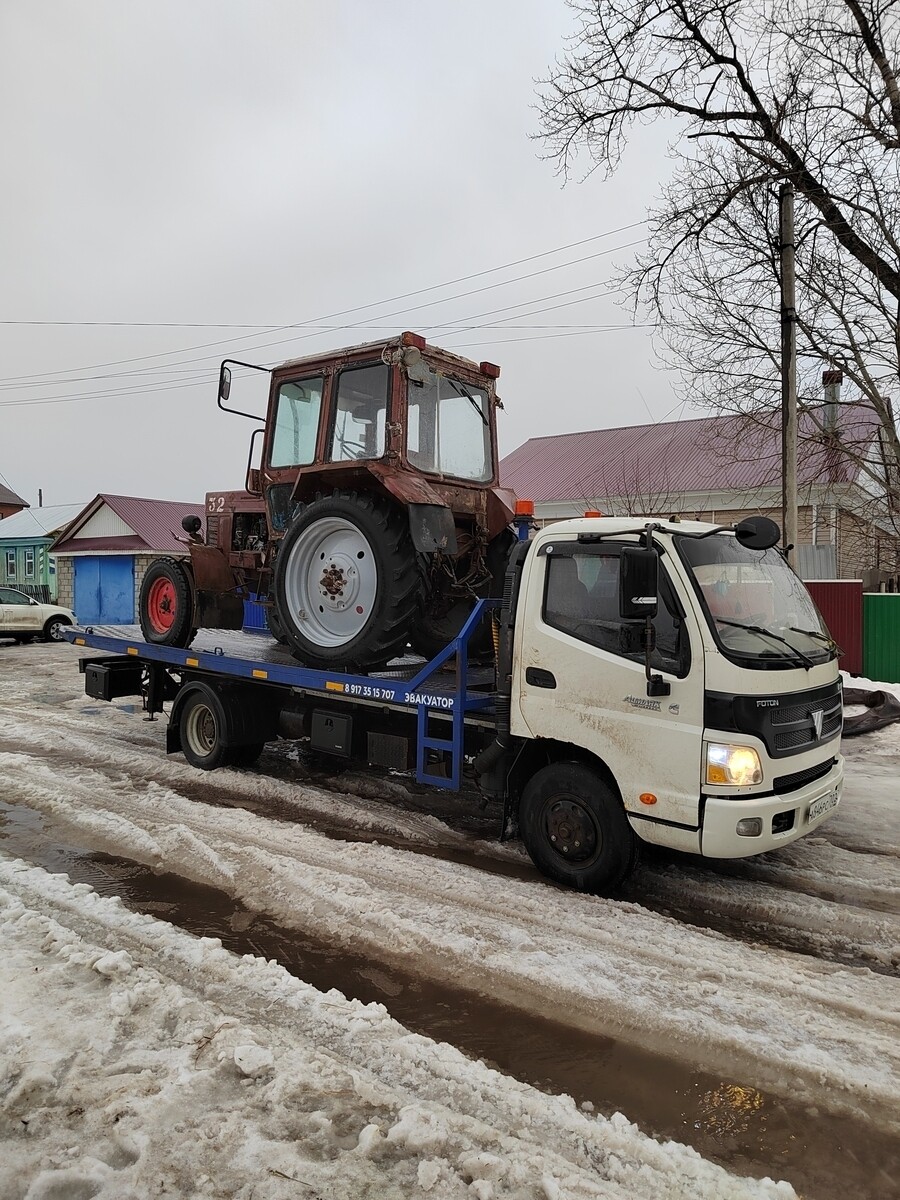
x=136 y=1060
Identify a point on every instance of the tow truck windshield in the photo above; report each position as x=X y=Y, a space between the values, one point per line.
x=757 y=608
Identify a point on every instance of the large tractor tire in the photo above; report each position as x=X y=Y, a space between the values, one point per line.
x=166 y=606
x=347 y=584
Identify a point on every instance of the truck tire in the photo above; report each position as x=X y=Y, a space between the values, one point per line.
x=201 y=729
x=166 y=605
x=347 y=584
x=575 y=829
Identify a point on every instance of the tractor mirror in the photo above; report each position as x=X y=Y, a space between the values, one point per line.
x=757 y=533
x=224 y=383
x=638 y=582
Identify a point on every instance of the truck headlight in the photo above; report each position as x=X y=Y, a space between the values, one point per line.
x=735 y=765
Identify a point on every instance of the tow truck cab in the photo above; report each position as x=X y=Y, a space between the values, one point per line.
x=717 y=720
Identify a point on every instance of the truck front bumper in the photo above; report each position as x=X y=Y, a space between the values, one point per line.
x=781 y=819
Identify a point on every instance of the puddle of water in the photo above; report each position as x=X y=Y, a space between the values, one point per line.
x=746 y=1130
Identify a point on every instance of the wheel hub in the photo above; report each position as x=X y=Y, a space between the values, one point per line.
x=161 y=604
x=330 y=582
x=571 y=831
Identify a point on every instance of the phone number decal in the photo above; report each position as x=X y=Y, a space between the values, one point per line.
x=368 y=693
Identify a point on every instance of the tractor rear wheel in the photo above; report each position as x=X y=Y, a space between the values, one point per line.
x=347 y=583
x=166 y=606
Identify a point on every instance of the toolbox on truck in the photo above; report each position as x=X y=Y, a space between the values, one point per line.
x=112 y=677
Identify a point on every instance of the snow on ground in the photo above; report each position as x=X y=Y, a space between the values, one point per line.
x=807 y=1026
x=137 y=1060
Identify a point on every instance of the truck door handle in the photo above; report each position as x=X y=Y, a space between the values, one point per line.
x=538 y=677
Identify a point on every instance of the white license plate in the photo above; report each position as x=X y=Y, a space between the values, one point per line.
x=822 y=805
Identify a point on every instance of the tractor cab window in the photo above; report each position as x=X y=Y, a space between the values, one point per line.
x=359 y=413
x=449 y=431
x=296 y=423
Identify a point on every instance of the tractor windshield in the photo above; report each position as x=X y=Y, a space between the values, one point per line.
x=449 y=431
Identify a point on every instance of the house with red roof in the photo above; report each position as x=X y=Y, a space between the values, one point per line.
x=102 y=555
x=9 y=502
x=721 y=469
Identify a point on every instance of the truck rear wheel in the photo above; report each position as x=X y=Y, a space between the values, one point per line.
x=201 y=729
x=166 y=606
x=347 y=584
x=575 y=829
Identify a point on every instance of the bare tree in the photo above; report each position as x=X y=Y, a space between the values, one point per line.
x=759 y=92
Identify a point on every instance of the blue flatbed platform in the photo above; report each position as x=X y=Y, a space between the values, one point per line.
x=446 y=686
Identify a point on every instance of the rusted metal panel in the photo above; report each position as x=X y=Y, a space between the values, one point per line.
x=840 y=601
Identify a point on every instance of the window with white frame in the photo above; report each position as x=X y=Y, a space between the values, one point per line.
x=10 y=564
x=29 y=564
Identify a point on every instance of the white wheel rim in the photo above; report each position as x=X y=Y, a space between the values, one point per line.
x=200 y=729
x=330 y=582
x=56 y=629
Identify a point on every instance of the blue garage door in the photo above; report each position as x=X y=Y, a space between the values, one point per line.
x=104 y=590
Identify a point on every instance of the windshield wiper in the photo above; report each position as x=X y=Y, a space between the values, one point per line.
x=461 y=391
x=776 y=637
x=823 y=637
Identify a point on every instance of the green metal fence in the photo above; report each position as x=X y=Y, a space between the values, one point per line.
x=881 y=636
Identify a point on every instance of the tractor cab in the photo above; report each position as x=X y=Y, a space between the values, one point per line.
x=376 y=513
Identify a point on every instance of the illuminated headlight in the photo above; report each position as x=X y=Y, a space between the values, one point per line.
x=735 y=765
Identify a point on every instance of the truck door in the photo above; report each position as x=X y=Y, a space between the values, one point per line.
x=580 y=677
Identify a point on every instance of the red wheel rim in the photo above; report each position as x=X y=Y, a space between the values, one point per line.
x=162 y=605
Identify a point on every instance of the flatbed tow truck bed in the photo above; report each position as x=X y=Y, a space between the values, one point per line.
x=445 y=689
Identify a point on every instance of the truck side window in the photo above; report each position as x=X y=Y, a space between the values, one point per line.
x=359 y=413
x=582 y=599
x=296 y=423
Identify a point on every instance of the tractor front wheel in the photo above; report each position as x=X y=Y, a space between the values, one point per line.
x=166 y=606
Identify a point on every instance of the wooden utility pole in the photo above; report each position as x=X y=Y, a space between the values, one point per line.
x=788 y=373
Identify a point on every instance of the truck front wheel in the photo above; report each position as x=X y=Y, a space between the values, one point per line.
x=575 y=828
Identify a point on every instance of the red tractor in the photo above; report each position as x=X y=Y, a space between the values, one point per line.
x=373 y=522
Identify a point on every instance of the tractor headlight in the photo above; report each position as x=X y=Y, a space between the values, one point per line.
x=738 y=766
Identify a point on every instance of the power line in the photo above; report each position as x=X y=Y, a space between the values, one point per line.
x=361 y=307
x=175 y=386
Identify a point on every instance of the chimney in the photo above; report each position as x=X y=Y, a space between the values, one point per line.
x=831 y=382
x=40 y=498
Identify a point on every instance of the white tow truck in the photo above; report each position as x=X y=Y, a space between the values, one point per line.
x=651 y=680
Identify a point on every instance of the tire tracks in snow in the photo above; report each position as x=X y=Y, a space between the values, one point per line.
x=803 y=1029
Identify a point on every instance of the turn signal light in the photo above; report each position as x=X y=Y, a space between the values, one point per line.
x=524 y=508
x=490 y=369
x=647 y=798
x=593 y=512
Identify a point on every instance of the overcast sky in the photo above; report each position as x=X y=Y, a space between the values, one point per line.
x=222 y=163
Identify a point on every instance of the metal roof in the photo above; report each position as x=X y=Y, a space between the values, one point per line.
x=32 y=524
x=156 y=523
x=8 y=496
x=705 y=454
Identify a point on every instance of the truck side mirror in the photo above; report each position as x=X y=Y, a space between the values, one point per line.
x=638 y=583
x=757 y=533
x=224 y=383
